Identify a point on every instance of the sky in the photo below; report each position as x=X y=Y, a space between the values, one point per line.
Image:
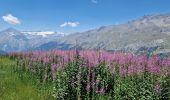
x=71 y=16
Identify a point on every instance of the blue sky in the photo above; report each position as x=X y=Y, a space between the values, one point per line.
x=74 y=15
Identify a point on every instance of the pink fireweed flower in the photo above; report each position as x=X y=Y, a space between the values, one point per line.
x=92 y=58
x=92 y=61
x=54 y=67
x=123 y=60
x=101 y=91
x=131 y=69
x=66 y=59
x=157 y=88
x=88 y=87
x=93 y=84
x=123 y=71
x=110 y=67
x=154 y=69
x=154 y=60
x=166 y=66
x=140 y=69
x=46 y=60
x=39 y=59
x=141 y=60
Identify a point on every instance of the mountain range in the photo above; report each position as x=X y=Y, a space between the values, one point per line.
x=12 y=40
x=148 y=33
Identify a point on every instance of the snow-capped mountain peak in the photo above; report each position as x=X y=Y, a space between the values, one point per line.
x=15 y=40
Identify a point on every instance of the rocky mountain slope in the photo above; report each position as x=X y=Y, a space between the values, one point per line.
x=145 y=33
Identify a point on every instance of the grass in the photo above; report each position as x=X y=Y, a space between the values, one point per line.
x=15 y=87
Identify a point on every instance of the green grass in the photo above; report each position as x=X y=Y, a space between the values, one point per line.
x=15 y=87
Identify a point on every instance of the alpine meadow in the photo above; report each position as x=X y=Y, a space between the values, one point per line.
x=84 y=50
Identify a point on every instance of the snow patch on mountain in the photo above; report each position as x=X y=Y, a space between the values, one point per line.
x=11 y=34
x=44 y=34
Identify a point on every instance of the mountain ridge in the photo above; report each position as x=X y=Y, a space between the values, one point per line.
x=152 y=31
x=147 y=31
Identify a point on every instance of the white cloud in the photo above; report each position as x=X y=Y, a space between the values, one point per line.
x=94 y=1
x=70 y=24
x=11 y=19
